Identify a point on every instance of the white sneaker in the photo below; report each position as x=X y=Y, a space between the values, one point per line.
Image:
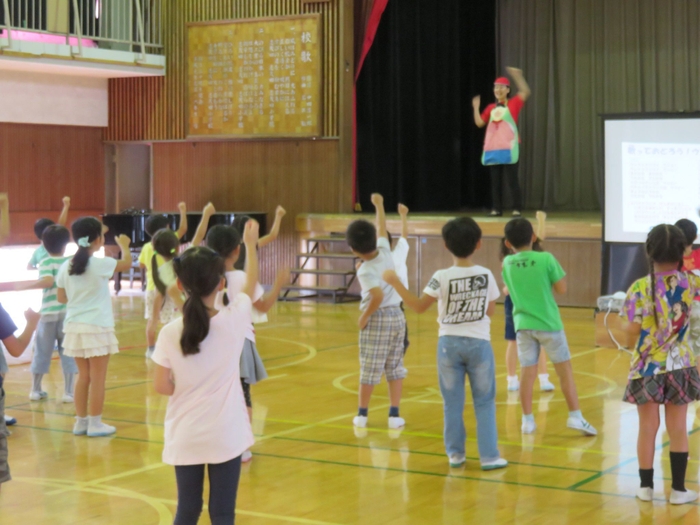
x=149 y=354
x=645 y=493
x=38 y=396
x=493 y=465
x=67 y=398
x=246 y=456
x=679 y=498
x=397 y=422
x=81 y=426
x=100 y=430
x=546 y=386
x=581 y=425
x=513 y=385
x=457 y=460
x=359 y=421
x=528 y=427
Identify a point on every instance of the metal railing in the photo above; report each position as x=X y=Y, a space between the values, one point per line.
x=125 y=25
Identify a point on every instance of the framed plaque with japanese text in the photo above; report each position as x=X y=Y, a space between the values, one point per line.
x=255 y=78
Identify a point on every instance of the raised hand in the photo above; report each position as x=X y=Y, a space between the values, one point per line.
x=403 y=210
x=377 y=199
x=66 y=201
x=182 y=207
x=280 y=212
x=476 y=102
x=251 y=233
x=32 y=317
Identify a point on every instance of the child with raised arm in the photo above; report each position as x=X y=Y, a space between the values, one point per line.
x=39 y=226
x=83 y=285
x=382 y=322
x=197 y=364
x=466 y=295
x=154 y=223
x=531 y=278
x=512 y=346
x=226 y=241
x=662 y=370
x=15 y=346
x=49 y=333
x=239 y=223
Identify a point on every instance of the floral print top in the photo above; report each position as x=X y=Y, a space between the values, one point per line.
x=662 y=346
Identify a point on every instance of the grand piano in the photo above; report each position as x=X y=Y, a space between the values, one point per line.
x=132 y=223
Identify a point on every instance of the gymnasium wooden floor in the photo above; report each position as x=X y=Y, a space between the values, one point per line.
x=310 y=467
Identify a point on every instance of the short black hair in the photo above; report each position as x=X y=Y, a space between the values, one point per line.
x=40 y=225
x=156 y=222
x=461 y=235
x=362 y=236
x=519 y=232
x=689 y=229
x=55 y=238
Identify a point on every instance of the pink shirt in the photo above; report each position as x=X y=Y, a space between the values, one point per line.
x=206 y=420
x=235 y=281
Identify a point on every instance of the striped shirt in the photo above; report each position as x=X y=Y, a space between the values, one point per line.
x=49 y=268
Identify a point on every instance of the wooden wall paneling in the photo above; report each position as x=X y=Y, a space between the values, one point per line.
x=250 y=176
x=39 y=164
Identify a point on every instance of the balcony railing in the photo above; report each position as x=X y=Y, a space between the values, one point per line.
x=124 y=25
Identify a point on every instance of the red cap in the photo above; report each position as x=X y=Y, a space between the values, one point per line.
x=503 y=81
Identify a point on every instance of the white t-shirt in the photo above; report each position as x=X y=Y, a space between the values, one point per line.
x=206 y=420
x=235 y=281
x=89 y=301
x=370 y=276
x=463 y=296
x=399 y=255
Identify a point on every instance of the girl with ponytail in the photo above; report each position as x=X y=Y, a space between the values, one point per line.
x=83 y=285
x=197 y=364
x=663 y=368
x=168 y=301
x=226 y=241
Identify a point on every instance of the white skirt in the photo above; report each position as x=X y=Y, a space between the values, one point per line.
x=87 y=340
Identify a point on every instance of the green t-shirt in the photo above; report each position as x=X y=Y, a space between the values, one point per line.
x=529 y=277
x=39 y=255
x=49 y=302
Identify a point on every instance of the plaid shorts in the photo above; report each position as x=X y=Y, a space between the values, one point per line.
x=382 y=346
x=4 y=466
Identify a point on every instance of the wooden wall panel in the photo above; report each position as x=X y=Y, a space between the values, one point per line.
x=251 y=176
x=40 y=164
x=154 y=108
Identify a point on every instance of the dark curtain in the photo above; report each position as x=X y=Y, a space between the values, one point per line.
x=417 y=142
x=584 y=58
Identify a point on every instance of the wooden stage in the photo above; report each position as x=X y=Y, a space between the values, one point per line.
x=574 y=238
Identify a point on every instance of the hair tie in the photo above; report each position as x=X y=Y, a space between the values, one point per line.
x=173 y=250
x=84 y=242
x=176 y=259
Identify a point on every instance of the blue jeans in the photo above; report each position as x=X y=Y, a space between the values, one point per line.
x=465 y=356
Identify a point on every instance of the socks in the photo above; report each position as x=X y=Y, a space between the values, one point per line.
x=363 y=412
x=36 y=382
x=679 y=463
x=647 y=478
x=94 y=421
x=393 y=411
x=68 y=383
x=528 y=417
x=576 y=413
x=543 y=377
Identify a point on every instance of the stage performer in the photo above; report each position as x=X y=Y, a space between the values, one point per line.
x=502 y=142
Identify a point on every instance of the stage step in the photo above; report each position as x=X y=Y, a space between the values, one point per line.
x=332 y=238
x=328 y=255
x=322 y=272
x=339 y=293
